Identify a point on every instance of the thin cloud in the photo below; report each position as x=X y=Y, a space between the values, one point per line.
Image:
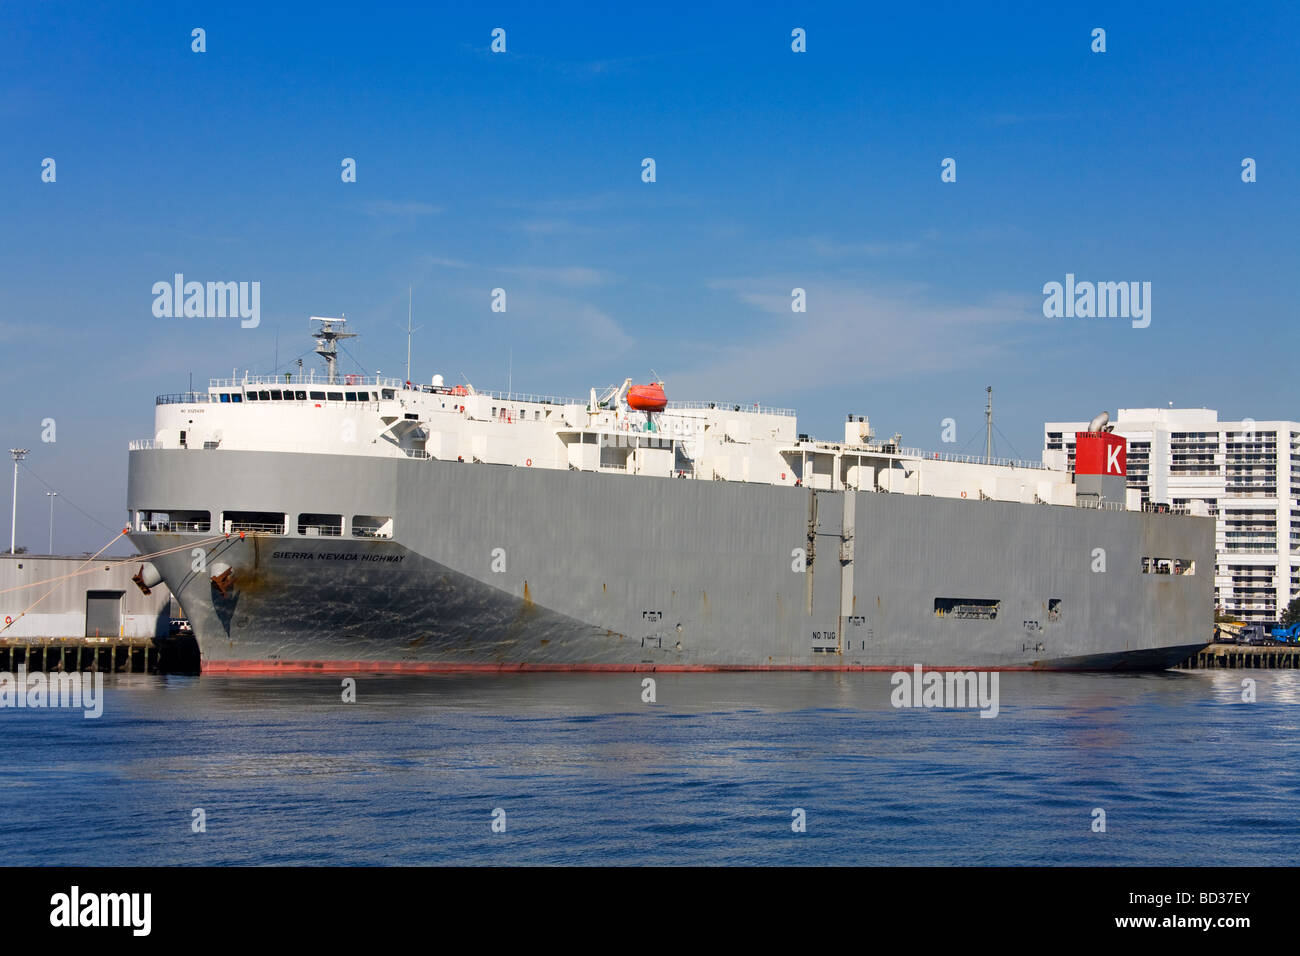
x=569 y=204
x=26 y=332
x=572 y=276
x=380 y=208
x=446 y=263
x=850 y=336
x=554 y=227
x=580 y=276
x=829 y=248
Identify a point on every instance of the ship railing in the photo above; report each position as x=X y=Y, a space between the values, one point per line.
x=976 y=459
x=889 y=448
x=1095 y=505
x=415 y=453
x=255 y=527
x=185 y=398
x=143 y=444
x=534 y=398
x=311 y=378
x=176 y=526
x=752 y=407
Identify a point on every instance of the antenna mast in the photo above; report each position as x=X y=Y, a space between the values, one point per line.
x=988 y=418
x=327 y=343
x=410 y=305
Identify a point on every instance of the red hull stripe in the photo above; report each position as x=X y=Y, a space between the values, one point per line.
x=420 y=667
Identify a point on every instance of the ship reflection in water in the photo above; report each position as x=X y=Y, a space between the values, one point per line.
x=588 y=772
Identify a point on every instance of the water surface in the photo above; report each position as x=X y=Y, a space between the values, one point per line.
x=287 y=773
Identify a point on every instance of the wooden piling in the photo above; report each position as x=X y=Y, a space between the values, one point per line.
x=1244 y=657
x=119 y=655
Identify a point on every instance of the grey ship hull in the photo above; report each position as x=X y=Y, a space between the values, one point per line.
x=628 y=573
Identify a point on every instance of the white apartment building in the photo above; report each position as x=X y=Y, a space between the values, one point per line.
x=1246 y=474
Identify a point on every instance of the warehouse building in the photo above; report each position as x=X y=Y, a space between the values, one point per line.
x=101 y=601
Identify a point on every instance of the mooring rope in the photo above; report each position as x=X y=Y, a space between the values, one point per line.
x=58 y=581
x=10 y=623
x=115 y=561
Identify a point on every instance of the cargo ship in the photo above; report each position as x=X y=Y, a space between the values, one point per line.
x=343 y=523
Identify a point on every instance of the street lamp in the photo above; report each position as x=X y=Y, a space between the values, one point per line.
x=51 y=495
x=19 y=454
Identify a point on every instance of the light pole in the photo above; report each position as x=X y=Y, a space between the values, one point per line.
x=19 y=454
x=51 y=495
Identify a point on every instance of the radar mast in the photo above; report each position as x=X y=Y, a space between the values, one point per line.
x=327 y=339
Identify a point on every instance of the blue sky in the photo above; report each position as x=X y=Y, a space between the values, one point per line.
x=522 y=170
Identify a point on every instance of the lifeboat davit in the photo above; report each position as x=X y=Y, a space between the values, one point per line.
x=647 y=398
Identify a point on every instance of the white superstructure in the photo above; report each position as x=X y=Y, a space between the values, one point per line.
x=714 y=441
x=721 y=441
x=1244 y=473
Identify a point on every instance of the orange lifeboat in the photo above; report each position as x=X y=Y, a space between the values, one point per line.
x=647 y=398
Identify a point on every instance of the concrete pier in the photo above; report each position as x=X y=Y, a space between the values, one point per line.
x=1249 y=656
x=111 y=655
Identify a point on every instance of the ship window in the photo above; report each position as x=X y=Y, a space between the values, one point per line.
x=317 y=525
x=336 y=396
x=275 y=395
x=980 y=609
x=318 y=396
x=236 y=397
x=301 y=396
x=351 y=396
x=264 y=395
x=225 y=397
x=252 y=396
x=390 y=393
x=372 y=526
x=265 y=522
x=169 y=519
